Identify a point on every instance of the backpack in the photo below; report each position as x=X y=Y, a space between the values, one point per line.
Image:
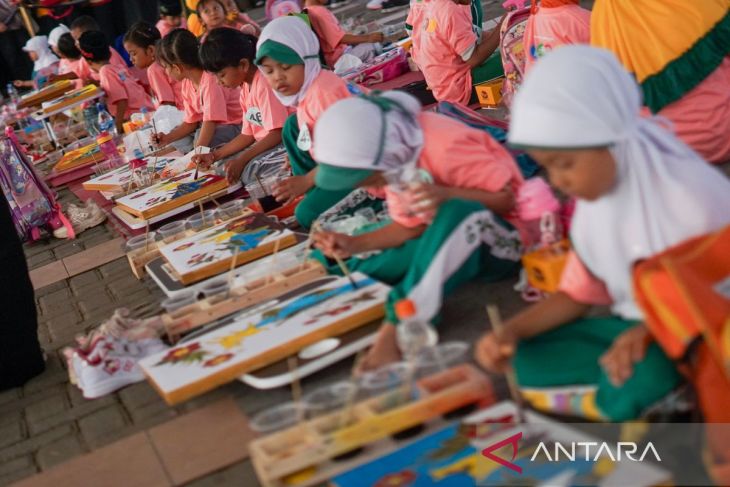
x=32 y=204
x=512 y=50
x=496 y=128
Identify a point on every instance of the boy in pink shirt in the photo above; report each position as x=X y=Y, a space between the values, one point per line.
x=140 y=43
x=83 y=24
x=333 y=39
x=552 y=24
x=212 y=111
x=450 y=55
x=450 y=193
x=230 y=54
x=124 y=94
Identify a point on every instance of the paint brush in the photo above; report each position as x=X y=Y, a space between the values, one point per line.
x=197 y=166
x=232 y=268
x=316 y=227
x=496 y=320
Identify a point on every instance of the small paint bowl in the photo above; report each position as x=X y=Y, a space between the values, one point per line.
x=214 y=287
x=431 y=360
x=201 y=221
x=232 y=209
x=387 y=377
x=172 y=231
x=278 y=418
x=318 y=349
x=329 y=398
x=179 y=301
x=139 y=242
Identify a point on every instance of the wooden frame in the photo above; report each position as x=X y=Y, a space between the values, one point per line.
x=77 y=158
x=308 y=447
x=265 y=334
x=228 y=257
x=50 y=92
x=212 y=184
x=71 y=98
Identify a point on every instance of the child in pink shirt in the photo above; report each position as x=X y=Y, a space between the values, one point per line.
x=552 y=24
x=333 y=39
x=450 y=55
x=450 y=193
x=210 y=109
x=83 y=24
x=124 y=94
x=70 y=66
x=213 y=15
x=229 y=55
x=233 y=14
x=288 y=57
x=171 y=17
x=140 y=43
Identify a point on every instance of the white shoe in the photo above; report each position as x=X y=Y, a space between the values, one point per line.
x=374 y=4
x=84 y=217
x=112 y=365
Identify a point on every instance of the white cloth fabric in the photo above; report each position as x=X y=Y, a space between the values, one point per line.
x=664 y=194
x=294 y=33
x=39 y=45
x=349 y=134
x=56 y=34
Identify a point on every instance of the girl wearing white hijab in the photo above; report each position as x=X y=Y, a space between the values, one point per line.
x=287 y=54
x=450 y=201
x=640 y=190
x=44 y=62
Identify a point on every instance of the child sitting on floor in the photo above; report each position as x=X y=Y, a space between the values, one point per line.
x=213 y=15
x=288 y=56
x=452 y=57
x=171 y=17
x=639 y=190
x=45 y=63
x=124 y=94
x=140 y=41
x=212 y=112
x=333 y=39
x=450 y=226
x=554 y=23
x=230 y=54
x=87 y=23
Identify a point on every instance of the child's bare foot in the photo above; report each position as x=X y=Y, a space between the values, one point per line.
x=384 y=350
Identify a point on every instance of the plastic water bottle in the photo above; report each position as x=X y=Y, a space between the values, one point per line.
x=13 y=94
x=109 y=148
x=105 y=121
x=412 y=333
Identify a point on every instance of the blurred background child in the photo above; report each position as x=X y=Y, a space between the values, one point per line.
x=554 y=23
x=45 y=63
x=171 y=17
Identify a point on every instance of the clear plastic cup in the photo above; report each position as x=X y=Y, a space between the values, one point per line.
x=172 y=231
x=231 y=209
x=141 y=242
x=393 y=384
x=179 y=301
x=278 y=418
x=329 y=398
x=434 y=359
x=215 y=287
x=201 y=221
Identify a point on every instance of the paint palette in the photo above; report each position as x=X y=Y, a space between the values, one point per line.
x=119 y=179
x=213 y=251
x=171 y=193
x=265 y=334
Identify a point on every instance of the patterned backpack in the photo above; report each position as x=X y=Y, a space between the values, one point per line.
x=512 y=48
x=31 y=202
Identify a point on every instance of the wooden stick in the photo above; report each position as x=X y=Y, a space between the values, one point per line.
x=277 y=244
x=350 y=404
x=200 y=204
x=232 y=268
x=316 y=227
x=496 y=320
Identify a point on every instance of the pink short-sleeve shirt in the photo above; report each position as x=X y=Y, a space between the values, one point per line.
x=166 y=28
x=210 y=102
x=262 y=110
x=329 y=32
x=447 y=34
x=164 y=88
x=72 y=66
x=460 y=157
x=119 y=85
x=553 y=27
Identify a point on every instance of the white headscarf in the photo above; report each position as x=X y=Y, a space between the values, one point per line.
x=294 y=33
x=56 y=34
x=579 y=96
x=350 y=133
x=39 y=45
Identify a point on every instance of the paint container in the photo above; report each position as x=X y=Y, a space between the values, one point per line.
x=278 y=418
x=177 y=305
x=215 y=290
x=141 y=243
x=262 y=190
x=329 y=398
x=231 y=209
x=392 y=384
x=201 y=221
x=172 y=231
x=437 y=358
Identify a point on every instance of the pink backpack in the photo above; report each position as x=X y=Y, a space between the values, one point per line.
x=380 y=69
x=31 y=202
x=512 y=48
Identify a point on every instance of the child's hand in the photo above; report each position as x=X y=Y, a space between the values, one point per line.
x=234 y=169
x=292 y=187
x=204 y=161
x=377 y=37
x=426 y=198
x=628 y=349
x=18 y=83
x=494 y=351
x=334 y=244
x=159 y=139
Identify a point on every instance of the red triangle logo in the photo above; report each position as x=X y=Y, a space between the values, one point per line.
x=512 y=440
